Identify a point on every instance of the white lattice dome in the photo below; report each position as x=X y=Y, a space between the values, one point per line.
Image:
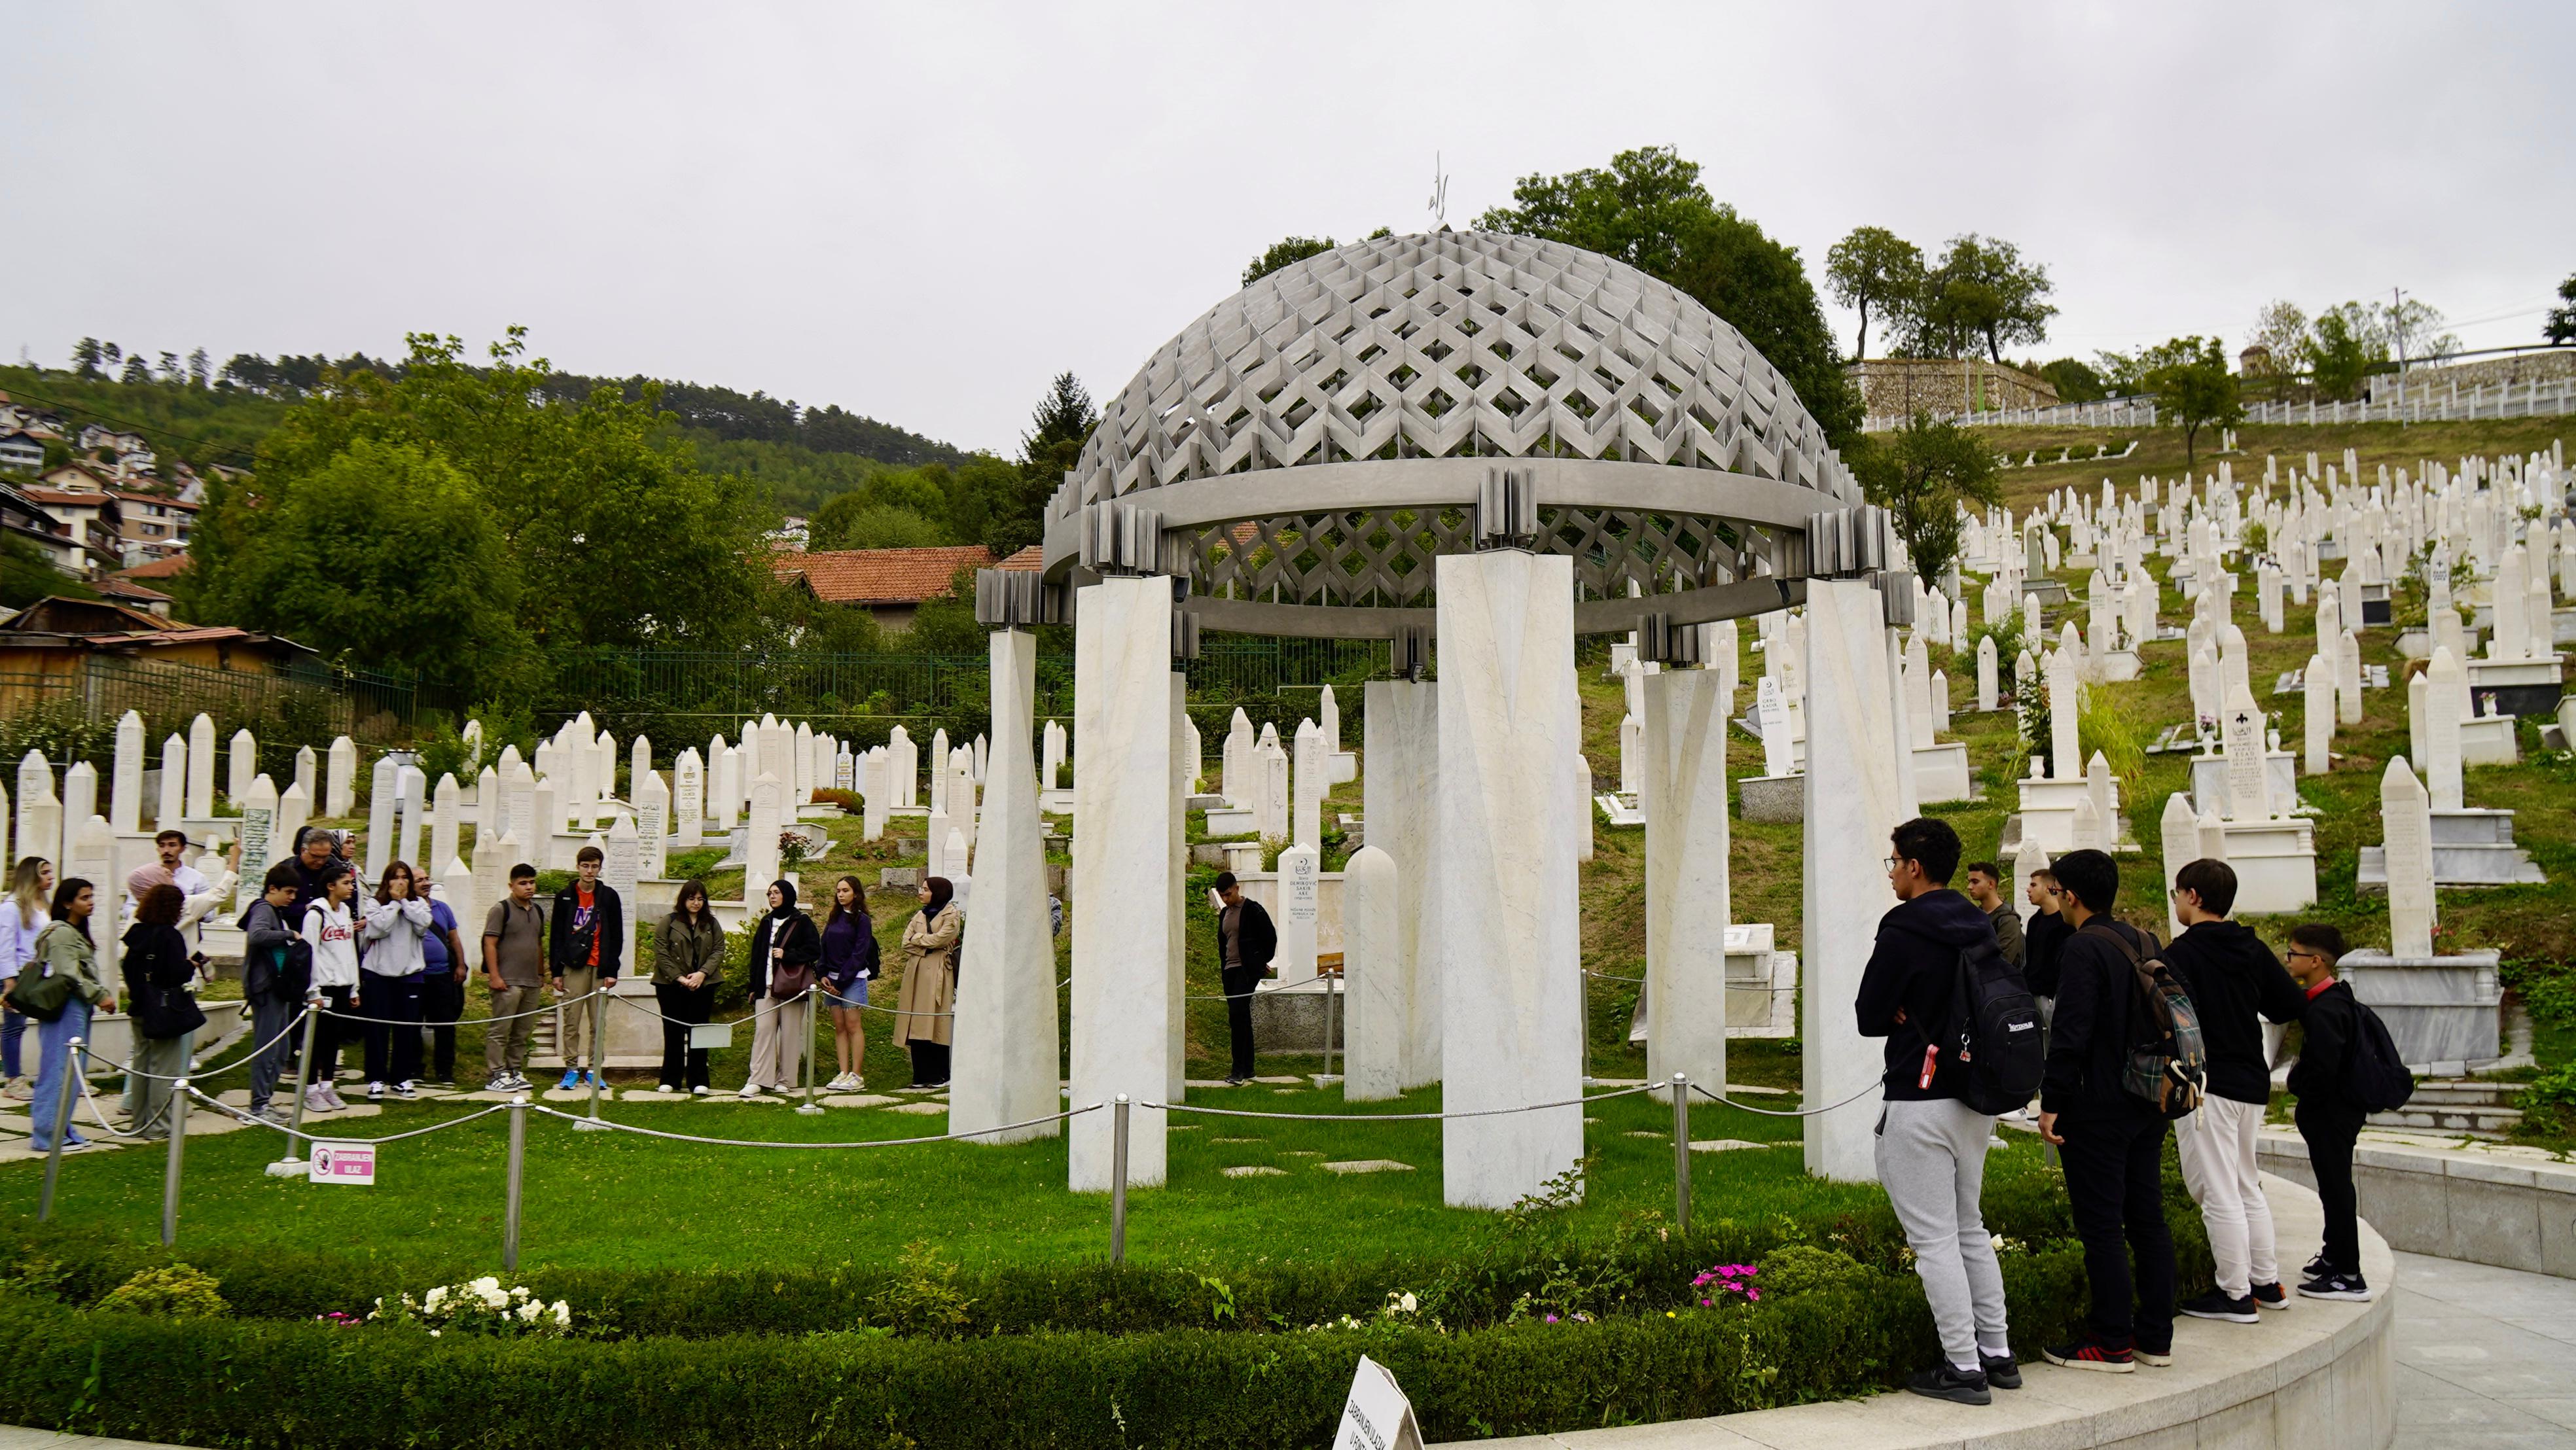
x=1453 y=345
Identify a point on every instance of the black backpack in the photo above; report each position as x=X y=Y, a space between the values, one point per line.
x=2168 y=1062
x=2373 y=1076
x=1994 y=1031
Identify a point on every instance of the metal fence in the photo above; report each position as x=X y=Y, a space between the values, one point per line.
x=2533 y=398
x=72 y=714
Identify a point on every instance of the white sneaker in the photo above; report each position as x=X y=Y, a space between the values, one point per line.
x=664 y=1088
x=699 y=1091
x=749 y=1090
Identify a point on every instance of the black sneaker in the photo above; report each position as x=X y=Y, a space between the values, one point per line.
x=2160 y=1356
x=2216 y=1305
x=2317 y=1268
x=1944 y=1382
x=2001 y=1371
x=2092 y=1351
x=2271 y=1296
x=2336 y=1286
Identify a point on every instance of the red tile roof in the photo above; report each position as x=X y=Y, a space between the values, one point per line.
x=1030 y=560
x=157 y=569
x=880 y=576
x=116 y=586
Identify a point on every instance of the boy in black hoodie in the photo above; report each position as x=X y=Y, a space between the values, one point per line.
x=2328 y=1118
x=1931 y=1151
x=2110 y=1143
x=2232 y=977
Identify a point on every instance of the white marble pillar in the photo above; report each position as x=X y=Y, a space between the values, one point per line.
x=1510 y=938
x=125 y=784
x=1123 y=872
x=1854 y=794
x=1375 y=1006
x=201 y=768
x=1687 y=900
x=2406 y=824
x=1006 y=1034
x=1400 y=736
x=1176 y=952
x=339 y=792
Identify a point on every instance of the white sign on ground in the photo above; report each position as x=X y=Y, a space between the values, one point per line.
x=350 y=1164
x=1377 y=1416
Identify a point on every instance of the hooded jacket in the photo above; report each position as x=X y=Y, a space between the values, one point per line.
x=2232 y=976
x=570 y=948
x=2088 y=1039
x=2041 y=939
x=2327 y=1030
x=1915 y=967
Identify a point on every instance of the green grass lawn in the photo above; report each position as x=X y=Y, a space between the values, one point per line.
x=597 y=1200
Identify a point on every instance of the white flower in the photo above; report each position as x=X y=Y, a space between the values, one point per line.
x=1408 y=1303
x=529 y=1311
x=520 y=1293
x=433 y=1334
x=484 y=1285
x=432 y=1299
x=563 y=1314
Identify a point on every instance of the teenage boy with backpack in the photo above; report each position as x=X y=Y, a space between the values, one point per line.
x=277 y=978
x=1931 y=1150
x=2234 y=981
x=587 y=939
x=2328 y=1118
x=2110 y=1141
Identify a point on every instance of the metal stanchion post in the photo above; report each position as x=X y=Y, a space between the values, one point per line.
x=809 y=1107
x=1118 y=1180
x=170 y=1175
x=62 y=1127
x=1681 y=1152
x=293 y=1165
x=1583 y=995
x=518 y=1179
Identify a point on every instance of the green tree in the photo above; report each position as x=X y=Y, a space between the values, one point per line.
x=1285 y=252
x=385 y=557
x=1874 y=267
x=2344 y=347
x=2561 y=326
x=1649 y=210
x=621 y=539
x=2075 y=382
x=1058 y=429
x=1922 y=473
x=2194 y=390
x=136 y=370
x=27 y=575
x=853 y=521
x=86 y=355
x=1982 y=291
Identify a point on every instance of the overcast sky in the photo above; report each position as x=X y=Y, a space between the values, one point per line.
x=922 y=212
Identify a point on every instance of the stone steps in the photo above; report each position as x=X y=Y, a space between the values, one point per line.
x=2464 y=1093
x=2475 y=1122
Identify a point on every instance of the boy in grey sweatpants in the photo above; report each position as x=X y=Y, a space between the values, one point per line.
x=1931 y=1151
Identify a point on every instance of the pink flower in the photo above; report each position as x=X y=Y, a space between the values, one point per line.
x=1753 y=1294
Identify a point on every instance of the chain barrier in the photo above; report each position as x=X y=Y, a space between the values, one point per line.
x=772 y=1143
x=253 y=1056
x=1874 y=1086
x=239 y=1115
x=555 y=1006
x=1406 y=1117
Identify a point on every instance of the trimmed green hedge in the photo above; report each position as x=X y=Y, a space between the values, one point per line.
x=270 y=1384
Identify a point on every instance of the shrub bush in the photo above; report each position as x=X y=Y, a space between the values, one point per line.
x=178 y=1291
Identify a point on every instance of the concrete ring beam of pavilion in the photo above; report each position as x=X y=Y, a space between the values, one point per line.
x=1304 y=451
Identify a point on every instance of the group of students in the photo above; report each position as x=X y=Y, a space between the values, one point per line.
x=2094 y=973
x=386 y=971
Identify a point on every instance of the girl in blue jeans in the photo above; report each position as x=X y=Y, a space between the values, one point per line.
x=64 y=946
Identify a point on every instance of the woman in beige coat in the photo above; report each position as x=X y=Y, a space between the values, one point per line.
x=929 y=998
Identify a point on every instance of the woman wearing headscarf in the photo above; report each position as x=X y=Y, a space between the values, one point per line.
x=929 y=998
x=159 y=965
x=784 y=949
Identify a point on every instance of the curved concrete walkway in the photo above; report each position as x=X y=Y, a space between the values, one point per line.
x=2486 y=1357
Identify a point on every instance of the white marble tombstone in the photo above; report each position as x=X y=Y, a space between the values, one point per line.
x=1306 y=812
x=2406 y=823
x=261 y=844
x=1375 y=1007
x=2447 y=684
x=519 y=809
x=903 y=761
x=80 y=793
x=1399 y=799
x=2063 y=718
x=1237 y=782
x=2242 y=744
x=724 y=773
x=1051 y=757
x=1123 y=874
x=1632 y=756
x=942 y=768
x=689 y=798
x=1006 y=1033
x=294 y=808
x=801 y=760
x=2317 y=712
x=1508 y=914
x=640 y=765
x=622 y=868
x=1854 y=797
x=384 y=783
x=494 y=854
x=201 y=768
x=652 y=800
x=125 y=785
x=446 y=820
x=173 y=804
x=760 y=846
x=2028 y=860
x=1300 y=911
x=2178 y=836
x=243 y=762
x=1271 y=811
x=879 y=797
x=1989 y=687
x=307 y=771
x=339 y=795
x=2347 y=665
x=1687 y=883
x=1779 y=751
x=411 y=789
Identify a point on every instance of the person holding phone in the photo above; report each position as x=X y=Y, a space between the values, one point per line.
x=159 y=968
